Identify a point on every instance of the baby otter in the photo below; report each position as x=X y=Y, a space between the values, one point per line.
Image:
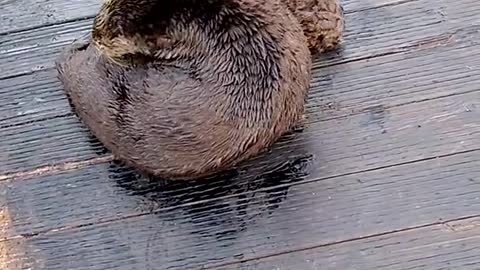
x=187 y=88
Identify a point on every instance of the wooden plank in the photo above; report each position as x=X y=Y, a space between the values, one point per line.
x=23 y=14
x=37 y=49
x=104 y=217
x=18 y=15
x=452 y=245
x=394 y=80
x=369 y=32
x=46 y=142
x=397 y=28
x=32 y=98
x=12 y=253
x=400 y=79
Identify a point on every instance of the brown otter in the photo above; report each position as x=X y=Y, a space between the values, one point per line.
x=183 y=89
x=322 y=22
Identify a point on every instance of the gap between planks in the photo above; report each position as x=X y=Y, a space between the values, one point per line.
x=78 y=165
x=443 y=223
x=55 y=168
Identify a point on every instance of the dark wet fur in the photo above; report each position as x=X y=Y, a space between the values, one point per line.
x=214 y=83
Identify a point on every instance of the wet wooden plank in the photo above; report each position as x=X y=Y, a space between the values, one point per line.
x=393 y=29
x=46 y=142
x=409 y=25
x=337 y=91
x=30 y=98
x=107 y=217
x=18 y=15
x=452 y=245
x=390 y=81
x=37 y=49
x=13 y=252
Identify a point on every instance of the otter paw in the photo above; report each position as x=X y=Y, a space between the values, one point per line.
x=322 y=22
x=81 y=43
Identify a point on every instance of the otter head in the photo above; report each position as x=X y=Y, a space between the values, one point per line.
x=125 y=28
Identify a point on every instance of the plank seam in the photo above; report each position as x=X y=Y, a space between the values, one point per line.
x=37 y=120
x=45 y=25
x=421 y=44
x=338 y=242
x=396 y=105
x=55 y=168
x=72 y=166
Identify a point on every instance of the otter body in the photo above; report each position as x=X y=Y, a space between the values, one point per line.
x=186 y=89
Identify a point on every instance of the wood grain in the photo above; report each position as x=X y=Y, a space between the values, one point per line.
x=31 y=98
x=18 y=15
x=451 y=245
x=393 y=80
x=105 y=217
x=37 y=49
x=46 y=142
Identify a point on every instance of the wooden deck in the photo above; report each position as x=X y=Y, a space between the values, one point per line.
x=385 y=176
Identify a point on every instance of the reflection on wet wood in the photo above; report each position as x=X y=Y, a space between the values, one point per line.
x=241 y=217
x=385 y=175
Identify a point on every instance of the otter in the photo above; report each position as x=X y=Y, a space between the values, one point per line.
x=185 y=89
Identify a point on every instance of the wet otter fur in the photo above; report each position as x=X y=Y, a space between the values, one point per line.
x=322 y=22
x=187 y=88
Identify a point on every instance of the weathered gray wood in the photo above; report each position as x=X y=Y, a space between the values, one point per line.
x=453 y=245
x=46 y=142
x=104 y=217
x=31 y=98
x=369 y=32
x=18 y=15
x=397 y=79
x=37 y=49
